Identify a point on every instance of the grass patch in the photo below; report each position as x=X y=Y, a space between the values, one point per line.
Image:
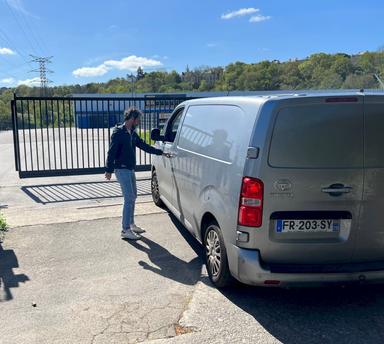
x=3 y=227
x=145 y=135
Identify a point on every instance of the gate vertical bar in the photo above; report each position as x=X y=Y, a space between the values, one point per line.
x=23 y=126
x=53 y=134
x=15 y=134
x=37 y=146
x=30 y=134
x=103 y=110
x=48 y=141
x=88 y=125
x=98 y=132
x=65 y=135
x=42 y=133
x=81 y=131
x=59 y=129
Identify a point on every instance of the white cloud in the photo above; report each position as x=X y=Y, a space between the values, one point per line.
x=7 y=81
x=212 y=45
x=239 y=13
x=29 y=82
x=258 y=18
x=130 y=63
x=159 y=57
x=90 y=71
x=6 y=51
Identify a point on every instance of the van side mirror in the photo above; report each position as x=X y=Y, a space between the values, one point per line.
x=155 y=135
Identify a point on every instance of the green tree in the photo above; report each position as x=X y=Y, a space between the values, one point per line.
x=140 y=73
x=291 y=77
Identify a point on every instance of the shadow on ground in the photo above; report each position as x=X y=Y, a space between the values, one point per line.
x=68 y=192
x=168 y=265
x=352 y=314
x=8 y=279
x=349 y=314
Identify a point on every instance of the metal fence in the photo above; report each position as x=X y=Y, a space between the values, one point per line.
x=56 y=136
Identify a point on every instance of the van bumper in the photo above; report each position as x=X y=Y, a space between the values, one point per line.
x=249 y=270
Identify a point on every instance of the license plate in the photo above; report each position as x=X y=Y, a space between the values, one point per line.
x=284 y=226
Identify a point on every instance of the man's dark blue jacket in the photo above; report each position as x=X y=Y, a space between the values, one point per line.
x=122 y=150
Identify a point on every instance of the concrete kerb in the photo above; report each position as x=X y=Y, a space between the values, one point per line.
x=21 y=209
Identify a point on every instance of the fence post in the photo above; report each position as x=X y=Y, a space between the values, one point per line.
x=15 y=129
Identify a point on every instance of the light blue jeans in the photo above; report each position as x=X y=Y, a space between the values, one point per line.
x=127 y=181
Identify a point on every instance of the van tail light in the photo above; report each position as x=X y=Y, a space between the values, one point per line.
x=251 y=202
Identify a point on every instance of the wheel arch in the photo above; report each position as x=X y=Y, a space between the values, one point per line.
x=207 y=218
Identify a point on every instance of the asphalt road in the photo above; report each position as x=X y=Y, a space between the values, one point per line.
x=79 y=282
x=89 y=286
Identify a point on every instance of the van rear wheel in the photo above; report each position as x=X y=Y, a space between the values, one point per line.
x=155 y=190
x=216 y=256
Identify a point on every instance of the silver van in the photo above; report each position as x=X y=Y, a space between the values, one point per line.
x=281 y=190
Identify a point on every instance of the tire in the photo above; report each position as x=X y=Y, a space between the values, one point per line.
x=155 y=190
x=216 y=256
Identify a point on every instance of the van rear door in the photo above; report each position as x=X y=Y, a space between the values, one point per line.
x=313 y=181
x=370 y=241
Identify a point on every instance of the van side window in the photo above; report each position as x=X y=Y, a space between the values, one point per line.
x=212 y=131
x=173 y=125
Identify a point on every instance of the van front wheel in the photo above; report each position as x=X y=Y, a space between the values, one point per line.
x=216 y=256
x=155 y=190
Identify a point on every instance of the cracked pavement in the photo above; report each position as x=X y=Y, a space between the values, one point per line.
x=90 y=286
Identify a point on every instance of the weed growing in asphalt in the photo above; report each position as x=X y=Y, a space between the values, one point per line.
x=3 y=227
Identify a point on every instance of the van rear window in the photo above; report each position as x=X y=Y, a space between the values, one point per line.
x=318 y=136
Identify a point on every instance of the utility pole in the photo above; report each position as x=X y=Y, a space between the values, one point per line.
x=42 y=70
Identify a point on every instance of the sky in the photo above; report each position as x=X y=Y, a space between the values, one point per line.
x=95 y=41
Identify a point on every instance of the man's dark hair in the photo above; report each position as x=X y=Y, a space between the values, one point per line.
x=131 y=113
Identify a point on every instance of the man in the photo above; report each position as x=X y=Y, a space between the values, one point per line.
x=122 y=159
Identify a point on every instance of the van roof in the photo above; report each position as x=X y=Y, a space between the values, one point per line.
x=259 y=99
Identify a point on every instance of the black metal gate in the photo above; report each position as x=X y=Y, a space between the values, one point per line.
x=58 y=136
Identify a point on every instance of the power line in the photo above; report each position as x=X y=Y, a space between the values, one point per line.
x=7 y=75
x=39 y=42
x=42 y=70
x=21 y=27
x=8 y=42
x=19 y=66
x=8 y=62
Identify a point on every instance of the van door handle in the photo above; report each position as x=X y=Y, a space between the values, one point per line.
x=172 y=155
x=337 y=189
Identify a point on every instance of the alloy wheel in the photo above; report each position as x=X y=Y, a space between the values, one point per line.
x=155 y=187
x=213 y=251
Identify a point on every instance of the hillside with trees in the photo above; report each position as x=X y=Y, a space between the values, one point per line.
x=318 y=71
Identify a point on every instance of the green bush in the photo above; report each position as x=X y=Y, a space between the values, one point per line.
x=146 y=136
x=3 y=223
x=3 y=227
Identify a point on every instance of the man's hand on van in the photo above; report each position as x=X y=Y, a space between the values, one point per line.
x=108 y=176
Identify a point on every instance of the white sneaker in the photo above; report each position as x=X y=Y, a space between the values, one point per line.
x=137 y=229
x=129 y=234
